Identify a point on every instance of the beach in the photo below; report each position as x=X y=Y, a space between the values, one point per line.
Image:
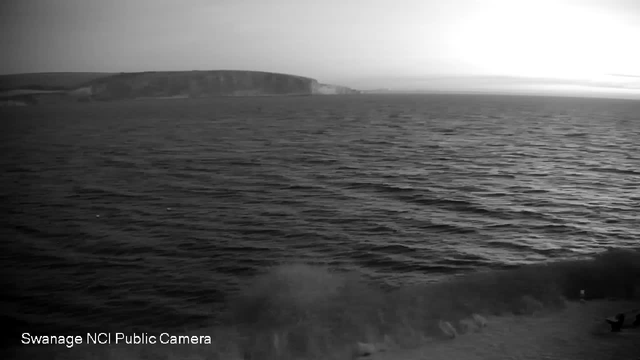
x=578 y=332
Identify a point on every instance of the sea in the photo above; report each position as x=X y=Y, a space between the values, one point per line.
x=150 y=215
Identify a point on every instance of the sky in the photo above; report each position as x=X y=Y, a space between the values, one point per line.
x=593 y=45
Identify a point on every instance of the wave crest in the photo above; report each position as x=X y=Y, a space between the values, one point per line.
x=316 y=310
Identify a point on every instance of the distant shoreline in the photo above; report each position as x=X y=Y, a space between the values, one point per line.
x=86 y=87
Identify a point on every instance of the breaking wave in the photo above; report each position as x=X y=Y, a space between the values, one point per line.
x=300 y=311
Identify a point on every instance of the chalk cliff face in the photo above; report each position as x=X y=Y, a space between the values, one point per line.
x=181 y=84
x=198 y=84
x=326 y=89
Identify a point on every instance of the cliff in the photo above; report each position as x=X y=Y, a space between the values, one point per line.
x=326 y=89
x=48 y=81
x=167 y=84
x=197 y=84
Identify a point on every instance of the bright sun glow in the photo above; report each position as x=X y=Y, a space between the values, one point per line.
x=549 y=40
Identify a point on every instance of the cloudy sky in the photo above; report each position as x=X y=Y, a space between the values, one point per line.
x=398 y=44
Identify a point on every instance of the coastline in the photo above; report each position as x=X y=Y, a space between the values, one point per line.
x=577 y=332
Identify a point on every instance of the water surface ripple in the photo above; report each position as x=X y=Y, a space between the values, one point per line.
x=195 y=195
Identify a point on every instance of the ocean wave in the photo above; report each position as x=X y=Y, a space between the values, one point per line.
x=208 y=199
x=299 y=298
x=615 y=170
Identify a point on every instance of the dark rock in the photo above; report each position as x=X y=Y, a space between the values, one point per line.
x=616 y=324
